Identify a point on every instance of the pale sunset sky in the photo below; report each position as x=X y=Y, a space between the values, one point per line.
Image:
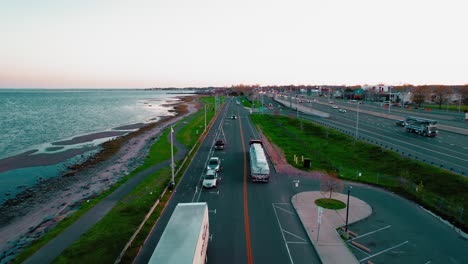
x=199 y=43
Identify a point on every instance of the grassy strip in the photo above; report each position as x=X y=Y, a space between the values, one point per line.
x=451 y=108
x=104 y=241
x=338 y=154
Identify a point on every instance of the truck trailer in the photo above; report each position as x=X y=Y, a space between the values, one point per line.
x=425 y=127
x=185 y=238
x=259 y=169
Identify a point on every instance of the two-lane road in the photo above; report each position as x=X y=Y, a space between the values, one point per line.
x=249 y=222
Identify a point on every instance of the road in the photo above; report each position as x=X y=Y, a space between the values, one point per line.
x=249 y=222
x=448 y=150
x=255 y=222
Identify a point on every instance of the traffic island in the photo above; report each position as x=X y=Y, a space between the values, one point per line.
x=326 y=240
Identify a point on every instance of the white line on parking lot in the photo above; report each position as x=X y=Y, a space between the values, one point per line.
x=369 y=233
x=383 y=251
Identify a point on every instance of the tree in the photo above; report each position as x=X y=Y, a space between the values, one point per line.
x=419 y=94
x=331 y=184
x=464 y=94
x=441 y=94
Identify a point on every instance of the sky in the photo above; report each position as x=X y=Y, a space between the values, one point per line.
x=188 y=43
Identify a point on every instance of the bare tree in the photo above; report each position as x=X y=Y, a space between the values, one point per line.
x=464 y=94
x=331 y=184
x=420 y=93
x=441 y=94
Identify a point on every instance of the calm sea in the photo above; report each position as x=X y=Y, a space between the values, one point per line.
x=34 y=118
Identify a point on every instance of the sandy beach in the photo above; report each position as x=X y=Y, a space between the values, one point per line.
x=31 y=213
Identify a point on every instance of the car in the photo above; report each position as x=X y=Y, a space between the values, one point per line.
x=219 y=144
x=400 y=123
x=211 y=179
x=334 y=106
x=214 y=164
x=342 y=110
x=233 y=117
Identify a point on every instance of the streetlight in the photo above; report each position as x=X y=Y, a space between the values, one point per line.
x=347 y=208
x=389 y=98
x=357 y=120
x=205 y=118
x=172 y=183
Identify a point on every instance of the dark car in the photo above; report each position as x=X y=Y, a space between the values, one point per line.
x=219 y=144
x=401 y=123
x=233 y=117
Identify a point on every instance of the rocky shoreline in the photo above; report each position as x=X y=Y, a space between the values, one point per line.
x=37 y=209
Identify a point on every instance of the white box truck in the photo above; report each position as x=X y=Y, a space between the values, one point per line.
x=259 y=169
x=185 y=238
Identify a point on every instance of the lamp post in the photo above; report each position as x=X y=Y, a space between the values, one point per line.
x=205 y=118
x=357 y=121
x=172 y=183
x=347 y=209
x=389 y=98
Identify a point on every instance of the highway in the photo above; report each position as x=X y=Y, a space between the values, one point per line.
x=249 y=222
x=448 y=150
x=256 y=223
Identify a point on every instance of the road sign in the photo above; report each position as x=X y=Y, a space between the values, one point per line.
x=320 y=212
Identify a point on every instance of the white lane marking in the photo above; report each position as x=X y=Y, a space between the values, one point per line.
x=282 y=234
x=210 y=154
x=293 y=235
x=383 y=251
x=283 y=209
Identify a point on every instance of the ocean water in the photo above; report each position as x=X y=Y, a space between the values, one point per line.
x=32 y=119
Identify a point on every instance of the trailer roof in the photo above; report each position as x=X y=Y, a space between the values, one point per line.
x=421 y=120
x=180 y=237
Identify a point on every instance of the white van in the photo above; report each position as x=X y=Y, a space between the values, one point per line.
x=211 y=179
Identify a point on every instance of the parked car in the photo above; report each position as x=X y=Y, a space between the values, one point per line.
x=342 y=110
x=219 y=144
x=211 y=179
x=334 y=106
x=400 y=123
x=214 y=164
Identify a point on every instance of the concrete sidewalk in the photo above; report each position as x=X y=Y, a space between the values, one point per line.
x=329 y=246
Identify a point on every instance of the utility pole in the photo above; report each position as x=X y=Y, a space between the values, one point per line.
x=172 y=183
x=357 y=121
